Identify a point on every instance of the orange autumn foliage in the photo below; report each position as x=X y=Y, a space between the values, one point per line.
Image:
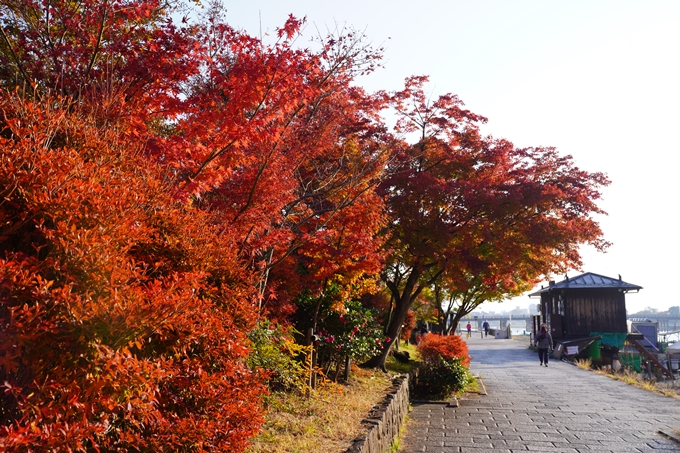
x=408 y=326
x=122 y=312
x=432 y=346
x=152 y=174
x=165 y=185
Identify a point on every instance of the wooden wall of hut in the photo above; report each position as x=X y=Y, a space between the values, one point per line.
x=595 y=310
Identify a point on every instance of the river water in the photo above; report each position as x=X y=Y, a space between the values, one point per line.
x=519 y=327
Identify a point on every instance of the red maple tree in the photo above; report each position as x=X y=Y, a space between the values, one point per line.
x=468 y=209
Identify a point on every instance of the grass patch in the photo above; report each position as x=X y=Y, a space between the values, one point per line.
x=630 y=377
x=325 y=422
x=473 y=386
x=395 y=366
x=329 y=420
x=584 y=364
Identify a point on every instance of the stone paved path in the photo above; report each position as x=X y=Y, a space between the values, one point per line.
x=532 y=408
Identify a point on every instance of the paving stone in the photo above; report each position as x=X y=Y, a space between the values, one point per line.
x=529 y=408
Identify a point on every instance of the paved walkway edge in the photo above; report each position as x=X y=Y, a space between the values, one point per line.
x=519 y=406
x=670 y=436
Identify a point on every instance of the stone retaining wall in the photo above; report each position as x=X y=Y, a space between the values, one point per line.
x=385 y=420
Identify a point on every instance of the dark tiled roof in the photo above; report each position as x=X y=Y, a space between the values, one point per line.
x=590 y=281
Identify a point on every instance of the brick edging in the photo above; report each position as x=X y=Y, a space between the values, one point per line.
x=385 y=420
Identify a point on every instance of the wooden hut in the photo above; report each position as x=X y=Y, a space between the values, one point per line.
x=584 y=309
x=578 y=306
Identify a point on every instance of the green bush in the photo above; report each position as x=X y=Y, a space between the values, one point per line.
x=275 y=351
x=443 y=377
x=353 y=333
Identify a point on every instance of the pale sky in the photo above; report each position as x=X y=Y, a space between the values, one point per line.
x=599 y=80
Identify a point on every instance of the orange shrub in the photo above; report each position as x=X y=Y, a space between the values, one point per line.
x=122 y=312
x=434 y=345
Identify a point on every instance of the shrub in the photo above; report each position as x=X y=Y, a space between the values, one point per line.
x=448 y=347
x=444 y=365
x=275 y=351
x=443 y=377
x=122 y=312
x=353 y=333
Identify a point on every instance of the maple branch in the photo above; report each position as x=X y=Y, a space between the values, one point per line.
x=331 y=188
x=296 y=228
x=262 y=168
x=215 y=154
x=212 y=156
x=16 y=59
x=333 y=69
x=97 y=45
x=251 y=192
x=393 y=287
x=435 y=277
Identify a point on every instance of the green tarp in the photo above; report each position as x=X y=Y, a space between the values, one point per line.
x=615 y=340
x=610 y=339
x=634 y=361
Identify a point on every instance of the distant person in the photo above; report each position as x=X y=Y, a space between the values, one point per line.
x=544 y=343
x=469 y=329
x=485 y=326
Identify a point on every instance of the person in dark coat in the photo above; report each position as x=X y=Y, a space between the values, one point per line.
x=486 y=328
x=544 y=343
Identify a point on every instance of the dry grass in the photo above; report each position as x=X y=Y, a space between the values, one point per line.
x=325 y=422
x=329 y=420
x=584 y=364
x=666 y=388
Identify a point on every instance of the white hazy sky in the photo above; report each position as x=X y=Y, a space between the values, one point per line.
x=599 y=80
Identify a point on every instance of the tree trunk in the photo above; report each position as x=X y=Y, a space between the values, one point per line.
x=456 y=320
x=348 y=367
x=392 y=332
x=402 y=304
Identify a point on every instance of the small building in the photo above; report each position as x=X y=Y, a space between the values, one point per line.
x=580 y=306
x=586 y=316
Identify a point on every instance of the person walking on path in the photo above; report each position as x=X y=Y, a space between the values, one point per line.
x=544 y=343
x=511 y=412
x=486 y=328
x=469 y=329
